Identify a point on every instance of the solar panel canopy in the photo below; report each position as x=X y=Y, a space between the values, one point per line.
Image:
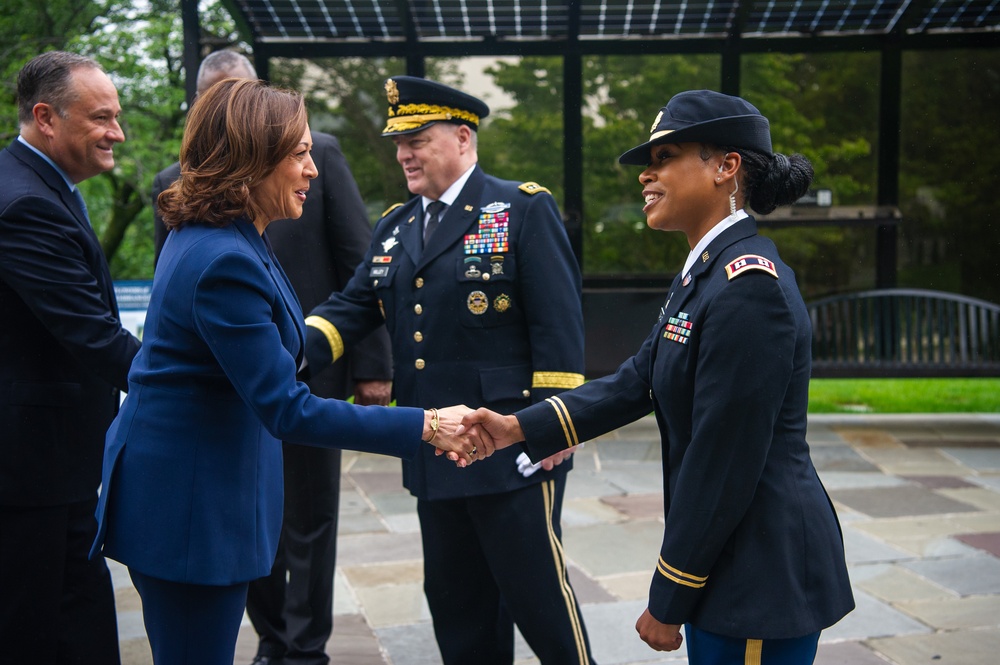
x=471 y=21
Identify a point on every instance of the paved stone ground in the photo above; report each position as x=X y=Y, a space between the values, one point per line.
x=918 y=498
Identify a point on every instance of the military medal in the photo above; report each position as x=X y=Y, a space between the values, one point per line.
x=678 y=328
x=478 y=303
x=472 y=270
x=501 y=303
x=493 y=231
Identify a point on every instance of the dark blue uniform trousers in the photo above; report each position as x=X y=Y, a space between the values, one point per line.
x=499 y=575
x=705 y=648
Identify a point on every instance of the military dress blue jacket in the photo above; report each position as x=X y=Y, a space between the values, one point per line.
x=192 y=481
x=752 y=547
x=489 y=314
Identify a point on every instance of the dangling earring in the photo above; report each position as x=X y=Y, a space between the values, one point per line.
x=732 y=198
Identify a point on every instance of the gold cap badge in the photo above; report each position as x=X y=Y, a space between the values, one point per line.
x=391 y=92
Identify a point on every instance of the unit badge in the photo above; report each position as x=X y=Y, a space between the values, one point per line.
x=496 y=263
x=496 y=206
x=389 y=243
x=472 y=270
x=501 y=303
x=478 y=303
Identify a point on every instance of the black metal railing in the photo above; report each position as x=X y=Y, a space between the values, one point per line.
x=905 y=332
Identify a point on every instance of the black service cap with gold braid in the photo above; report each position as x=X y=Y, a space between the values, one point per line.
x=417 y=103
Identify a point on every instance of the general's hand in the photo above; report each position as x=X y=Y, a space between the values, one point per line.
x=503 y=430
x=659 y=636
x=555 y=460
x=462 y=446
x=373 y=393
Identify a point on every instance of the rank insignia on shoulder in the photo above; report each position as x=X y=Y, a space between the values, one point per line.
x=390 y=209
x=750 y=262
x=532 y=188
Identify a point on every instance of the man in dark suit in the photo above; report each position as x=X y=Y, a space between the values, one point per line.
x=482 y=302
x=292 y=609
x=64 y=358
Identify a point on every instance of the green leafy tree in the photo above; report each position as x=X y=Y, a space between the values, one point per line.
x=29 y=27
x=950 y=235
x=141 y=48
x=346 y=97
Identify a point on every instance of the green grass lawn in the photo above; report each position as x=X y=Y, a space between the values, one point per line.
x=904 y=396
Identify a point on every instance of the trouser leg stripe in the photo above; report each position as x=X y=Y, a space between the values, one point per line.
x=559 y=558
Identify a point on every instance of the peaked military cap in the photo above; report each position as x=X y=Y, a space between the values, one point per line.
x=705 y=116
x=417 y=103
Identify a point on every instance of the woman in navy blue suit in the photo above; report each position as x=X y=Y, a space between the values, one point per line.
x=752 y=561
x=192 y=472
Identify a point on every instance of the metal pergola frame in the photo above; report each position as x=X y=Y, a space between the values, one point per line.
x=419 y=29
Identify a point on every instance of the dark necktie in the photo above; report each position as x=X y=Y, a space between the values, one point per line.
x=81 y=202
x=434 y=209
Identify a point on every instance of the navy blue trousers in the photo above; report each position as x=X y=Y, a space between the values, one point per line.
x=190 y=624
x=705 y=648
x=495 y=560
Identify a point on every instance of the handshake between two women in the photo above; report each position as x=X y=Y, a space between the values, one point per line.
x=465 y=435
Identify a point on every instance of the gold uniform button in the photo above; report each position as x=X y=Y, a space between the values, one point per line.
x=419 y=282
x=418 y=336
x=417 y=309
x=526 y=393
x=420 y=363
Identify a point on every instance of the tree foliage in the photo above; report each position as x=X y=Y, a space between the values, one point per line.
x=824 y=106
x=140 y=46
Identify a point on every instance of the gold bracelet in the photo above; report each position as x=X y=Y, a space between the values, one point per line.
x=435 y=423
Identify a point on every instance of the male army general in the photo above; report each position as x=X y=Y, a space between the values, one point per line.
x=482 y=303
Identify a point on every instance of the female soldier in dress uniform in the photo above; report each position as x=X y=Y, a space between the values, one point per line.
x=752 y=561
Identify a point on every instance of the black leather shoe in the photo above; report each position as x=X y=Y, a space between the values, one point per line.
x=266 y=660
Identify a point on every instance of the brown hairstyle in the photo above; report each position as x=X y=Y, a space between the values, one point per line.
x=47 y=78
x=236 y=135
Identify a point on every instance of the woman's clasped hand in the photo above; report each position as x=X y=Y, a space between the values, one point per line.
x=443 y=430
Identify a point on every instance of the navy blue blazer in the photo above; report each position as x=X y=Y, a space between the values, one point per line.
x=193 y=467
x=489 y=314
x=64 y=353
x=319 y=252
x=752 y=547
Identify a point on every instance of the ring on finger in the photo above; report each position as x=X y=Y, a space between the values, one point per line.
x=474 y=452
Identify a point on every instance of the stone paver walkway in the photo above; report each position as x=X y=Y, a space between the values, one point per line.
x=918 y=498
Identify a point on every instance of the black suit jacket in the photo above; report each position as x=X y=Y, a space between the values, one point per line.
x=63 y=352
x=319 y=252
